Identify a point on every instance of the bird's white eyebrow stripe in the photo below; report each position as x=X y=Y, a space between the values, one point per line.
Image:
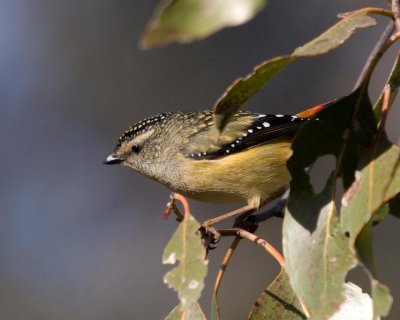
x=141 y=137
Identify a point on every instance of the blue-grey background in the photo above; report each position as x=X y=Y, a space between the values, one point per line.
x=79 y=240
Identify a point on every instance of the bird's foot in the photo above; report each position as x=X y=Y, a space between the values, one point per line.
x=210 y=237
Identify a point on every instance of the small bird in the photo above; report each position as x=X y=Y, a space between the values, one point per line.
x=182 y=150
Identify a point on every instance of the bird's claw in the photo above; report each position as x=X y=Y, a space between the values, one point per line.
x=210 y=237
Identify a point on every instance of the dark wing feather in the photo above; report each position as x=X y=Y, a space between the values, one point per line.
x=259 y=129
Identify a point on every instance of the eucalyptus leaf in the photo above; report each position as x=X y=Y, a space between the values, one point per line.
x=377 y=181
x=382 y=299
x=336 y=35
x=244 y=88
x=381 y=296
x=191 y=311
x=278 y=301
x=187 y=278
x=318 y=252
x=188 y=20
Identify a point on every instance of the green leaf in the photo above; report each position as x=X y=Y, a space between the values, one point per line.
x=244 y=88
x=188 y=20
x=342 y=129
x=190 y=312
x=278 y=301
x=382 y=299
x=318 y=257
x=364 y=247
x=336 y=35
x=317 y=251
x=377 y=181
x=187 y=278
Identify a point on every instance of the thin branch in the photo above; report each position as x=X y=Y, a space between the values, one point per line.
x=375 y=54
x=385 y=107
x=247 y=209
x=222 y=270
x=171 y=206
x=257 y=240
x=396 y=13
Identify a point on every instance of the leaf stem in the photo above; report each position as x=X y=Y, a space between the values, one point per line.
x=382 y=40
x=257 y=240
x=396 y=13
x=222 y=270
x=385 y=107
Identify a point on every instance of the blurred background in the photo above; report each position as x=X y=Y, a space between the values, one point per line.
x=79 y=240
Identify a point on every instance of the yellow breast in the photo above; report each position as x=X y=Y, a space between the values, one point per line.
x=252 y=175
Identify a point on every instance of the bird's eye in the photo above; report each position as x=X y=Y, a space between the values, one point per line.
x=135 y=148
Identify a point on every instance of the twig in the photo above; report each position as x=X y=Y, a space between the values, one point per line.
x=385 y=107
x=257 y=240
x=396 y=14
x=171 y=206
x=247 y=209
x=185 y=204
x=376 y=54
x=222 y=270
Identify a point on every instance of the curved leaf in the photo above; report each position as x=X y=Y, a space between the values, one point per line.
x=244 y=88
x=278 y=301
x=317 y=251
x=377 y=181
x=381 y=297
x=336 y=35
x=189 y=20
x=187 y=278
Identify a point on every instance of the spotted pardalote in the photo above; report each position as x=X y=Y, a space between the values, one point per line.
x=246 y=162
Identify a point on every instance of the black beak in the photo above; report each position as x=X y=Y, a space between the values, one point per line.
x=112 y=159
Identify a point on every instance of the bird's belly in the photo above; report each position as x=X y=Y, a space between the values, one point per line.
x=214 y=196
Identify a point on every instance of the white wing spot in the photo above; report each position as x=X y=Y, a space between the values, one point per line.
x=250 y=131
x=279 y=115
x=266 y=124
